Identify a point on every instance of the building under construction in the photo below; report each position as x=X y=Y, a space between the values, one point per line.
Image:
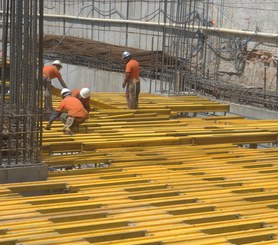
x=194 y=164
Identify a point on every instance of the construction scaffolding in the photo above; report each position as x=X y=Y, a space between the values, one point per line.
x=21 y=84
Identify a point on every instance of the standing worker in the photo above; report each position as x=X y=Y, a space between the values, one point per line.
x=131 y=81
x=49 y=73
x=71 y=112
x=84 y=96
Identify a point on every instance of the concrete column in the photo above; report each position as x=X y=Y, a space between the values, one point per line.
x=23 y=174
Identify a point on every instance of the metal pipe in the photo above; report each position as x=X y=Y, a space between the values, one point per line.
x=38 y=81
x=3 y=83
x=265 y=79
x=190 y=27
x=277 y=80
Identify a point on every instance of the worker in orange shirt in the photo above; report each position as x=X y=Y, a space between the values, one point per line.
x=83 y=95
x=71 y=112
x=131 y=81
x=50 y=72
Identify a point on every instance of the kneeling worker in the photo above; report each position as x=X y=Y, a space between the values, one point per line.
x=71 y=112
x=84 y=96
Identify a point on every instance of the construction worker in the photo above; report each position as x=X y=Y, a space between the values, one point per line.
x=50 y=72
x=83 y=95
x=71 y=112
x=131 y=81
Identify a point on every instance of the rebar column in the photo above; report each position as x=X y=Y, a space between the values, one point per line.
x=21 y=92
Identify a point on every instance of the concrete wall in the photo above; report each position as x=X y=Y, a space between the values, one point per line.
x=99 y=81
x=254 y=74
x=238 y=15
x=256 y=16
x=246 y=15
x=119 y=34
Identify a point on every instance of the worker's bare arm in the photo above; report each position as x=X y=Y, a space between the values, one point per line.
x=63 y=84
x=127 y=79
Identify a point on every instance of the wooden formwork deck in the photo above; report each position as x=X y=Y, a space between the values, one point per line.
x=167 y=180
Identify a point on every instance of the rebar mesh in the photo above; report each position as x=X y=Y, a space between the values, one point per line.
x=21 y=83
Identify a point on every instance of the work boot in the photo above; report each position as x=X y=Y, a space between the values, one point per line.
x=67 y=132
x=74 y=129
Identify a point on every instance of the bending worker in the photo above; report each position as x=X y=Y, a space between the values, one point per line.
x=84 y=96
x=131 y=81
x=49 y=73
x=71 y=112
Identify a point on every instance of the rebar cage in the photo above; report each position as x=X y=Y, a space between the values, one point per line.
x=21 y=83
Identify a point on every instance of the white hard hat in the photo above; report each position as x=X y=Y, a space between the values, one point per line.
x=125 y=54
x=57 y=62
x=65 y=92
x=85 y=93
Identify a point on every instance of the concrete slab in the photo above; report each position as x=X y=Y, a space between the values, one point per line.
x=252 y=112
x=24 y=174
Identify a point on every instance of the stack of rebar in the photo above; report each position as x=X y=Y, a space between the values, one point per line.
x=104 y=56
x=21 y=83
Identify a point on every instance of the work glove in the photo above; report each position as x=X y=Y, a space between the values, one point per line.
x=47 y=127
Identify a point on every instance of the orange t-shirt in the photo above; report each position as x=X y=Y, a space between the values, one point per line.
x=85 y=102
x=132 y=67
x=73 y=107
x=51 y=72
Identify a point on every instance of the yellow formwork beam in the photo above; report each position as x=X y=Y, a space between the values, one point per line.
x=158 y=186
